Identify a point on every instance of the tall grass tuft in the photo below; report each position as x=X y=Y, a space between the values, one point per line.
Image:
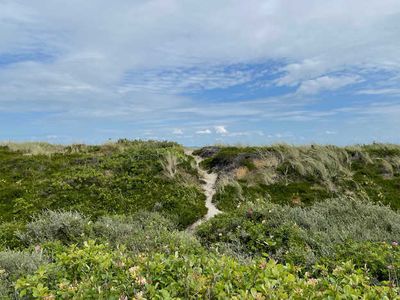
x=170 y=164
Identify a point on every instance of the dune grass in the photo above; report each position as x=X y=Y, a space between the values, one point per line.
x=302 y=175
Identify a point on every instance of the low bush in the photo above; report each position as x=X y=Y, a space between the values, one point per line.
x=382 y=259
x=97 y=272
x=144 y=232
x=65 y=226
x=8 y=236
x=141 y=232
x=14 y=264
x=301 y=235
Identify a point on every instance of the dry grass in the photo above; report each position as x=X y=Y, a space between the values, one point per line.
x=34 y=148
x=226 y=180
x=241 y=173
x=323 y=163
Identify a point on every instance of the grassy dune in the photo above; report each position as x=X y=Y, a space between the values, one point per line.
x=304 y=175
x=110 y=222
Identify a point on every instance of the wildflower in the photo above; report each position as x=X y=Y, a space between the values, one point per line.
x=220 y=234
x=120 y=264
x=139 y=295
x=141 y=280
x=298 y=291
x=262 y=265
x=63 y=285
x=312 y=281
x=263 y=221
x=38 y=248
x=123 y=297
x=395 y=244
x=72 y=288
x=134 y=270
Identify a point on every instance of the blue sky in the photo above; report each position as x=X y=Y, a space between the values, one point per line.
x=200 y=72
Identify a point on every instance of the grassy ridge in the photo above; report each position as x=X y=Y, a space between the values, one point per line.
x=117 y=178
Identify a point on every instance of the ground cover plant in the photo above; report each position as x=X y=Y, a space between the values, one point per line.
x=112 y=222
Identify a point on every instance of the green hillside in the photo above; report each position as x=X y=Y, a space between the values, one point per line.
x=113 y=222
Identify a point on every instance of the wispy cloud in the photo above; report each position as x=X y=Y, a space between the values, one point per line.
x=326 y=83
x=378 y=91
x=193 y=79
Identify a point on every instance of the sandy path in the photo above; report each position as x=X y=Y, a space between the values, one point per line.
x=208 y=188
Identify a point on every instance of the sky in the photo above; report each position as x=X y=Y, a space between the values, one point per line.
x=200 y=72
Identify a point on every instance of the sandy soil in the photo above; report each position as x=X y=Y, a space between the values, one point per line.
x=208 y=188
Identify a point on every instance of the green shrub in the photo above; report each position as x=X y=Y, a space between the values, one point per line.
x=141 y=232
x=90 y=272
x=338 y=220
x=97 y=272
x=144 y=232
x=64 y=226
x=301 y=235
x=381 y=259
x=8 y=234
x=14 y=264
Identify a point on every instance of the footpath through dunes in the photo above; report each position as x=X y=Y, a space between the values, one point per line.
x=209 y=180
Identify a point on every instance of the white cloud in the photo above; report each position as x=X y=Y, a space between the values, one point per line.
x=177 y=131
x=205 y=131
x=330 y=132
x=220 y=129
x=305 y=70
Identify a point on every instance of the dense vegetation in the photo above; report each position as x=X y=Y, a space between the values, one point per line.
x=109 y=222
x=97 y=180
